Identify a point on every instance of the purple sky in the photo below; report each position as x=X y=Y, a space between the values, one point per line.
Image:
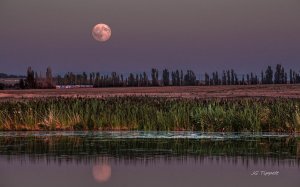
x=203 y=35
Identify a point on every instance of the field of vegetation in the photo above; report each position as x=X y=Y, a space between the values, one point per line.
x=204 y=92
x=152 y=113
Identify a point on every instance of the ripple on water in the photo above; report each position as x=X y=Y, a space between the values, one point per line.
x=147 y=135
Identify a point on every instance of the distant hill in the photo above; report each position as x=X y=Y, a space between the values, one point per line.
x=3 y=75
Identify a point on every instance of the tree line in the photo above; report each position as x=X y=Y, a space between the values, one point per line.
x=278 y=75
x=180 y=78
x=35 y=81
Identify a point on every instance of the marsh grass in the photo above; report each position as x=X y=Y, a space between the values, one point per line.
x=152 y=113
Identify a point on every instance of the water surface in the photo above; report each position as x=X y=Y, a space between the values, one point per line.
x=148 y=159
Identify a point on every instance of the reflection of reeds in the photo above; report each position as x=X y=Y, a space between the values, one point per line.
x=81 y=146
x=148 y=113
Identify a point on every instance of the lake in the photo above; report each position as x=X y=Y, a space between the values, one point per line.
x=138 y=158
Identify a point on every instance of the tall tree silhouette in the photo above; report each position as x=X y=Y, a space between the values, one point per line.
x=269 y=75
x=166 y=77
x=154 y=76
x=30 y=78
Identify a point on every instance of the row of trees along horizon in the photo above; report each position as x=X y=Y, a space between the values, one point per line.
x=33 y=80
x=167 y=78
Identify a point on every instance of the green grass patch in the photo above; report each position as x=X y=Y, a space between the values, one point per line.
x=152 y=113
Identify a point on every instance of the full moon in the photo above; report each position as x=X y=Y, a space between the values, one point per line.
x=101 y=32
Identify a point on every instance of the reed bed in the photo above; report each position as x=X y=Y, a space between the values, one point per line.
x=152 y=113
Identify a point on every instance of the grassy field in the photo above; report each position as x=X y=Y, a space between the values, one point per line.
x=286 y=91
x=271 y=108
x=152 y=113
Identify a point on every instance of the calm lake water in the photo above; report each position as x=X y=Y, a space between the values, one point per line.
x=135 y=159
